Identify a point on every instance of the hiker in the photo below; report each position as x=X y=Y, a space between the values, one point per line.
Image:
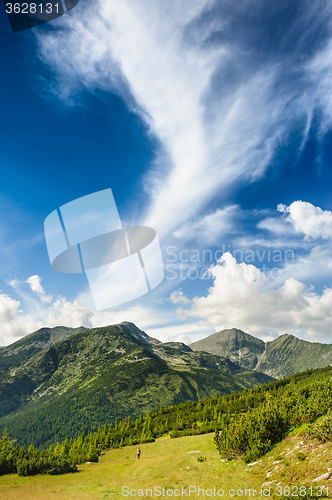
x=138 y=453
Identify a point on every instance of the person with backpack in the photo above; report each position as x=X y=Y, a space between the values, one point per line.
x=138 y=453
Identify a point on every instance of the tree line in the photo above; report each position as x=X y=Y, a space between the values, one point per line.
x=246 y=423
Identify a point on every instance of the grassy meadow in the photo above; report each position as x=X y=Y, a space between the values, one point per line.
x=169 y=463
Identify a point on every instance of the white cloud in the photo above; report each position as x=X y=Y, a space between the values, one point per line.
x=211 y=134
x=309 y=220
x=177 y=297
x=184 y=338
x=187 y=332
x=14 y=324
x=211 y=227
x=35 y=284
x=241 y=298
x=280 y=227
x=68 y=313
x=8 y=308
x=21 y=317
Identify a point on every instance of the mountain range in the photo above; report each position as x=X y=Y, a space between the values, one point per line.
x=58 y=381
x=279 y=358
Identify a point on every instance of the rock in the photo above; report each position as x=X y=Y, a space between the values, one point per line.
x=268 y=483
x=89 y=463
x=253 y=463
x=269 y=474
x=277 y=462
x=194 y=452
x=314 y=458
x=327 y=475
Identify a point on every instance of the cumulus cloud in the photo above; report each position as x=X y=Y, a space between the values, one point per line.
x=35 y=284
x=8 y=308
x=69 y=313
x=21 y=317
x=242 y=297
x=177 y=297
x=308 y=219
x=14 y=324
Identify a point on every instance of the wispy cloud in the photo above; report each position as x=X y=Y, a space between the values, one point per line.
x=210 y=228
x=220 y=106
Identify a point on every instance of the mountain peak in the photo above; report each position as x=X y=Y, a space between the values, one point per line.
x=133 y=330
x=238 y=346
x=278 y=358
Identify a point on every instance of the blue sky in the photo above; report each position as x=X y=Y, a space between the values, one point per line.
x=211 y=122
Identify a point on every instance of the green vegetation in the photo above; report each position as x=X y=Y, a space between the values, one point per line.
x=280 y=358
x=56 y=460
x=53 y=389
x=246 y=424
x=322 y=430
x=170 y=463
x=253 y=433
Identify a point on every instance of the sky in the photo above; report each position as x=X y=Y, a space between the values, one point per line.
x=211 y=121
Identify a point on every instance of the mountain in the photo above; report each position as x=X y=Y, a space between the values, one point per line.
x=56 y=382
x=24 y=348
x=282 y=357
x=234 y=344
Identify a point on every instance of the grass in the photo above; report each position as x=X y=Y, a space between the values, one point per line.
x=168 y=463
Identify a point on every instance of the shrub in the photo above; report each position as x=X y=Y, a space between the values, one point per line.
x=322 y=430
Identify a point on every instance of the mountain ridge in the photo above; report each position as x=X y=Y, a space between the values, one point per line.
x=100 y=374
x=278 y=358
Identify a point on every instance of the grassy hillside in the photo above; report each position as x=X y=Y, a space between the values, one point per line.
x=79 y=382
x=171 y=463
